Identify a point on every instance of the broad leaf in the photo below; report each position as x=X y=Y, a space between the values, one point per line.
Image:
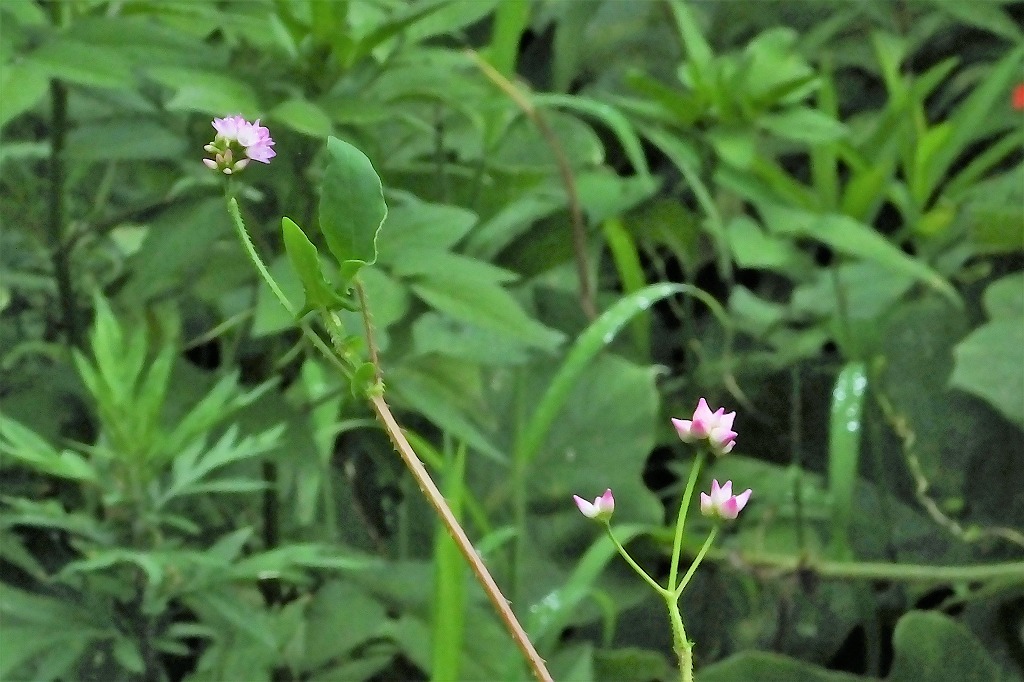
x=352 y=208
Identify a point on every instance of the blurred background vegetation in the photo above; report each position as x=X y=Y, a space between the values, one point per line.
x=189 y=493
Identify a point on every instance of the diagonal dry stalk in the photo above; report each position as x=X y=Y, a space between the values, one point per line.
x=579 y=231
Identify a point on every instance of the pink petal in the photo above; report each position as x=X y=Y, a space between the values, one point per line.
x=684 y=427
x=726 y=420
x=586 y=508
x=741 y=499
x=702 y=411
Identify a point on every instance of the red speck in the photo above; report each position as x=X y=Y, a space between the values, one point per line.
x=1018 y=97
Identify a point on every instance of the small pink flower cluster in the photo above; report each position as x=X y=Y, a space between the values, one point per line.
x=721 y=503
x=716 y=427
x=253 y=138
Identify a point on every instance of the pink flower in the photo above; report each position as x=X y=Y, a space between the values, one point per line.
x=234 y=131
x=715 y=426
x=600 y=509
x=721 y=503
x=230 y=127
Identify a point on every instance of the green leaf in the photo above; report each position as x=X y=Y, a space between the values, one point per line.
x=28 y=448
x=752 y=247
x=968 y=121
x=449 y=599
x=770 y=667
x=206 y=92
x=306 y=263
x=352 y=208
x=510 y=20
x=23 y=86
x=986 y=16
x=486 y=304
x=854 y=238
x=303 y=116
x=82 y=63
x=418 y=230
x=442 y=334
x=932 y=647
x=845 y=429
x=804 y=124
x=440 y=398
x=551 y=614
x=627 y=263
x=363 y=380
x=609 y=116
x=1004 y=298
x=988 y=365
x=332 y=631
x=124 y=139
x=591 y=342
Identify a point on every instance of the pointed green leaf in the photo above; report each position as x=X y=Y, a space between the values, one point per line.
x=306 y=263
x=352 y=208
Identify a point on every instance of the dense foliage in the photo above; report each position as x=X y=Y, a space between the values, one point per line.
x=597 y=212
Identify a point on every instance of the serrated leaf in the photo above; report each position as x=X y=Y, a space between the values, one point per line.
x=352 y=208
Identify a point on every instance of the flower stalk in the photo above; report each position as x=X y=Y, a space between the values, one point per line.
x=260 y=148
x=716 y=429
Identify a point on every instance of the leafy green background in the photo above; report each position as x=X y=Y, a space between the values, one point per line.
x=594 y=213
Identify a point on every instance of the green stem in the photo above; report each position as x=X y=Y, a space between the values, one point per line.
x=1010 y=571
x=680 y=644
x=313 y=337
x=636 y=567
x=684 y=505
x=696 y=561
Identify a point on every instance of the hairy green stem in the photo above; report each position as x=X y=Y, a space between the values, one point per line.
x=680 y=644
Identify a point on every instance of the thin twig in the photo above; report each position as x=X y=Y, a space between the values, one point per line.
x=408 y=455
x=437 y=501
x=579 y=233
